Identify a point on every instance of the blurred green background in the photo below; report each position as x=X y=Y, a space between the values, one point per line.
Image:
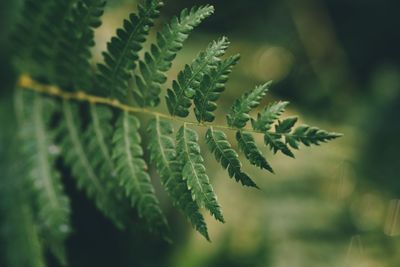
x=338 y=63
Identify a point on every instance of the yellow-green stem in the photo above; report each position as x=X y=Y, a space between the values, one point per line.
x=27 y=83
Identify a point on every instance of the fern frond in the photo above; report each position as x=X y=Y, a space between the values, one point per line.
x=163 y=156
x=159 y=60
x=73 y=70
x=211 y=87
x=268 y=116
x=103 y=146
x=194 y=172
x=38 y=147
x=239 y=113
x=248 y=146
x=227 y=156
x=131 y=170
x=122 y=51
x=184 y=89
x=76 y=156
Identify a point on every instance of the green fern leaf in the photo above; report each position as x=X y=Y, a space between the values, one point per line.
x=97 y=137
x=75 y=155
x=264 y=121
x=274 y=142
x=163 y=52
x=122 y=51
x=131 y=169
x=211 y=87
x=309 y=136
x=268 y=115
x=184 y=89
x=247 y=144
x=224 y=154
x=286 y=125
x=239 y=113
x=101 y=146
x=163 y=156
x=74 y=72
x=194 y=173
x=51 y=203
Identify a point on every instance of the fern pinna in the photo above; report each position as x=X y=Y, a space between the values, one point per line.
x=87 y=118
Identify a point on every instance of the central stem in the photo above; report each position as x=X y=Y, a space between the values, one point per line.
x=25 y=82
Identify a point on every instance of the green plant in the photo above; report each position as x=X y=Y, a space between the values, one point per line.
x=66 y=110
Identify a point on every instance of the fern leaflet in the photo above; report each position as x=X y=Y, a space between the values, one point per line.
x=184 y=89
x=78 y=36
x=239 y=113
x=275 y=143
x=249 y=147
x=38 y=147
x=163 y=52
x=163 y=156
x=309 y=136
x=224 y=154
x=50 y=35
x=97 y=138
x=122 y=51
x=34 y=15
x=20 y=232
x=75 y=156
x=268 y=115
x=273 y=140
x=285 y=126
x=210 y=89
x=132 y=175
x=194 y=172
x=42 y=29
